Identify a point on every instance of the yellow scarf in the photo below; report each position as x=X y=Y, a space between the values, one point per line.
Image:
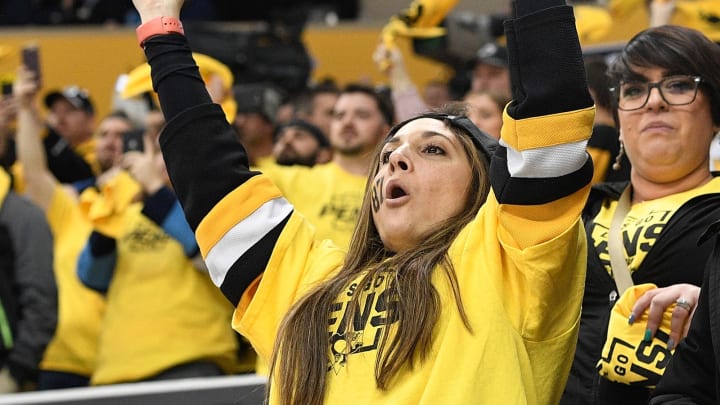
x=107 y=207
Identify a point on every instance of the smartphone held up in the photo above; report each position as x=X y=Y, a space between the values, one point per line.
x=31 y=60
x=7 y=87
x=133 y=141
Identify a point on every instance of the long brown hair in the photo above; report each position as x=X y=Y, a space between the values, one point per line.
x=300 y=355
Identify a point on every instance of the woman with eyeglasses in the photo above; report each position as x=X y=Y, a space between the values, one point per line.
x=463 y=280
x=666 y=84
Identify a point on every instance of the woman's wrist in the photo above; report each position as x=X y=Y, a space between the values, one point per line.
x=153 y=186
x=161 y=25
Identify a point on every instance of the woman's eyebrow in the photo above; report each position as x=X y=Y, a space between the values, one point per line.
x=424 y=134
x=432 y=134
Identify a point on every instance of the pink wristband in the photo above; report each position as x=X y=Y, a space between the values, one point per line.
x=158 y=26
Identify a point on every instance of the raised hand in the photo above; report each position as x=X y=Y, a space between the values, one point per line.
x=149 y=9
x=144 y=168
x=25 y=87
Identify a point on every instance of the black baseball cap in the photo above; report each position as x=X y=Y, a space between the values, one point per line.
x=314 y=131
x=493 y=54
x=258 y=98
x=76 y=96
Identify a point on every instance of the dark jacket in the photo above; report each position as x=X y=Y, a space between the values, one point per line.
x=693 y=375
x=674 y=258
x=63 y=162
x=28 y=292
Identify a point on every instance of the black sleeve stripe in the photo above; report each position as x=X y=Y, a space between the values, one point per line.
x=250 y=265
x=534 y=191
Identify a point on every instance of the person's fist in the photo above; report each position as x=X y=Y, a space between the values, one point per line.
x=149 y=9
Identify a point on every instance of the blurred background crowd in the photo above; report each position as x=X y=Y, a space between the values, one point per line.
x=290 y=76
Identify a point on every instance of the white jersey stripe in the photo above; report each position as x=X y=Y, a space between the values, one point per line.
x=243 y=236
x=549 y=161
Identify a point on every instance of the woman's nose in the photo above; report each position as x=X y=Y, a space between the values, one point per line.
x=399 y=161
x=655 y=99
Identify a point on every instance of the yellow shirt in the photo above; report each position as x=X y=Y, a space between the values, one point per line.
x=161 y=310
x=328 y=196
x=74 y=347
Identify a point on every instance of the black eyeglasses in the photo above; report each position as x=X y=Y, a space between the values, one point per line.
x=675 y=90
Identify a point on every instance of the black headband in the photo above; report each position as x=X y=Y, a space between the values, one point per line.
x=307 y=127
x=484 y=143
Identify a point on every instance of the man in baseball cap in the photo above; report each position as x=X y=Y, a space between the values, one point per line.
x=491 y=72
x=71 y=126
x=71 y=114
x=75 y=96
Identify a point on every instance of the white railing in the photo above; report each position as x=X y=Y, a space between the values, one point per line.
x=246 y=389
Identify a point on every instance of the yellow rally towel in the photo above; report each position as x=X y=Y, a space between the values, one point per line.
x=702 y=15
x=139 y=81
x=592 y=22
x=420 y=20
x=105 y=209
x=626 y=358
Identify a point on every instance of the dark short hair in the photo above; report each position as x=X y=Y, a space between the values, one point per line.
x=303 y=102
x=327 y=85
x=678 y=50
x=382 y=98
x=260 y=98
x=599 y=82
x=306 y=126
x=118 y=114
